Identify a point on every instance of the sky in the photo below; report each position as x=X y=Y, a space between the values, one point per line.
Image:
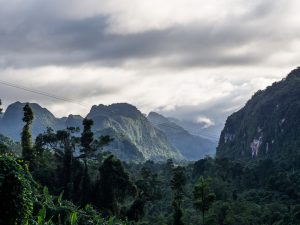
x=196 y=60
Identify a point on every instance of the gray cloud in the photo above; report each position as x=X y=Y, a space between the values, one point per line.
x=203 y=60
x=43 y=39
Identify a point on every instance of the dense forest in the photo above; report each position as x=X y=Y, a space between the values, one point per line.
x=58 y=179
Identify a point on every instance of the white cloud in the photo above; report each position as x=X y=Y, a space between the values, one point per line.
x=201 y=89
x=206 y=121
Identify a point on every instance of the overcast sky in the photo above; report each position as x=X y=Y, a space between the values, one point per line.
x=192 y=59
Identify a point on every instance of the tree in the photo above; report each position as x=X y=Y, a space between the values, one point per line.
x=27 y=148
x=63 y=143
x=114 y=185
x=148 y=190
x=69 y=144
x=89 y=147
x=177 y=184
x=203 y=197
x=87 y=139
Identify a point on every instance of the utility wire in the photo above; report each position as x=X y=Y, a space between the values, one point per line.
x=24 y=88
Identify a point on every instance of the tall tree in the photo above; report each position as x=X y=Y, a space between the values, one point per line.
x=148 y=190
x=177 y=184
x=114 y=185
x=89 y=147
x=63 y=143
x=203 y=197
x=27 y=148
x=87 y=139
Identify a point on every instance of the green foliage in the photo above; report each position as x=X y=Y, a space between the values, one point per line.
x=114 y=185
x=177 y=184
x=8 y=146
x=63 y=143
x=73 y=218
x=87 y=137
x=26 y=139
x=149 y=193
x=16 y=200
x=41 y=218
x=203 y=197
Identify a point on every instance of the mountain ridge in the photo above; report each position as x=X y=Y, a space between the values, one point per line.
x=133 y=133
x=267 y=126
x=192 y=147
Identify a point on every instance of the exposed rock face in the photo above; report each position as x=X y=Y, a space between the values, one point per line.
x=268 y=125
x=255 y=145
x=192 y=147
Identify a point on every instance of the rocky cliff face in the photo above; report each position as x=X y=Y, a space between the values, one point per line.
x=268 y=125
x=191 y=147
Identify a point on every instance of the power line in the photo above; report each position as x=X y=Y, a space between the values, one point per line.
x=24 y=88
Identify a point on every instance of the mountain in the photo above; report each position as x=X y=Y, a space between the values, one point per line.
x=11 y=123
x=267 y=126
x=135 y=139
x=73 y=121
x=191 y=147
x=121 y=146
x=128 y=122
x=201 y=129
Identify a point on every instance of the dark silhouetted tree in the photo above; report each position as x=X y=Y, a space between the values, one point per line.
x=149 y=190
x=87 y=139
x=89 y=147
x=114 y=185
x=177 y=184
x=63 y=143
x=203 y=197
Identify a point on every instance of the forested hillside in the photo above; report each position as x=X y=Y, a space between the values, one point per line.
x=268 y=125
x=192 y=147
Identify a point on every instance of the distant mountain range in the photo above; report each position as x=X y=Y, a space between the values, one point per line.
x=268 y=125
x=11 y=123
x=191 y=146
x=206 y=131
x=136 y=138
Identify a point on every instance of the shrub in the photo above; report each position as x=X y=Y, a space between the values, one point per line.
x=16 y=203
